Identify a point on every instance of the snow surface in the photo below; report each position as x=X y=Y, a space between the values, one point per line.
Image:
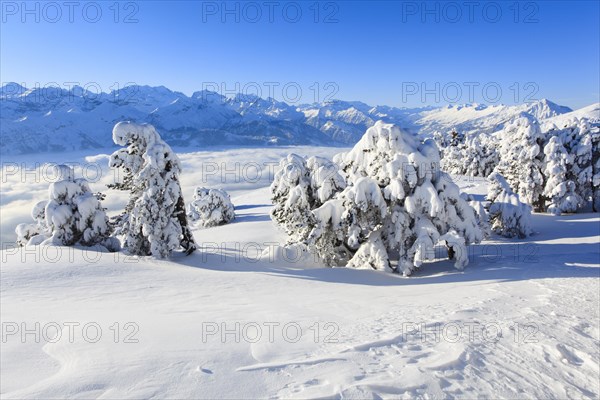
x=591 y=112
x=539 y=299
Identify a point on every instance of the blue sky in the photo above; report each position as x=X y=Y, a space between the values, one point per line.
x=393 y=53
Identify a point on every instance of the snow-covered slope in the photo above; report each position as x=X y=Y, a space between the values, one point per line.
x=480 y=118
x=343 y=121
x=521 y=321
x=591 y=112
x=42 y=120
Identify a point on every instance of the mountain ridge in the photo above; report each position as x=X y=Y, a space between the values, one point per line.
x=56 y=119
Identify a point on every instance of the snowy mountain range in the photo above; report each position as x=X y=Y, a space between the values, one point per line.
x=55 y=120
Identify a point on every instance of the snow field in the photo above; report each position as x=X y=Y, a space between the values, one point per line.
x=522 y=320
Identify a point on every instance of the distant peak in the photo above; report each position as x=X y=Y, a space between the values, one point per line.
x=12 y=89
x=546 y=108
x=207 y=96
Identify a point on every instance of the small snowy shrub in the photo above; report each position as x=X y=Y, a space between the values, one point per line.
x=39 y=229
x=155 y=221
x=72 y=216
x=509 y=217
x=211 y=207
x=396 y=208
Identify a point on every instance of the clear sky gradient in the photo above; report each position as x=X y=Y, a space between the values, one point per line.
x=377 y=52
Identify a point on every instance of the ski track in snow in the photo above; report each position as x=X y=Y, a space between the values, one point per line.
x=543 y=293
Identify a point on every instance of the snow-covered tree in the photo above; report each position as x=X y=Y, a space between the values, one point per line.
x=508 y=215
x=595 y=139
x=72 y=216
x=453 y=139
x=582 y=148
x=582 y=142
x=325 y=179
x=396 y=208
x=481 y=214
x=569 y=165
x=365 y=211
x=39 y=229
x=452 y=159
x=299 y=186
x=210 y=207
x=327 y=235
x=559 y=189
x=521 y=160
x=476 y=156
x=290 y=197
x=155 y=221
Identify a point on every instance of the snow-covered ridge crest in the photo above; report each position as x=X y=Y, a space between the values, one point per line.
x=54 y=120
